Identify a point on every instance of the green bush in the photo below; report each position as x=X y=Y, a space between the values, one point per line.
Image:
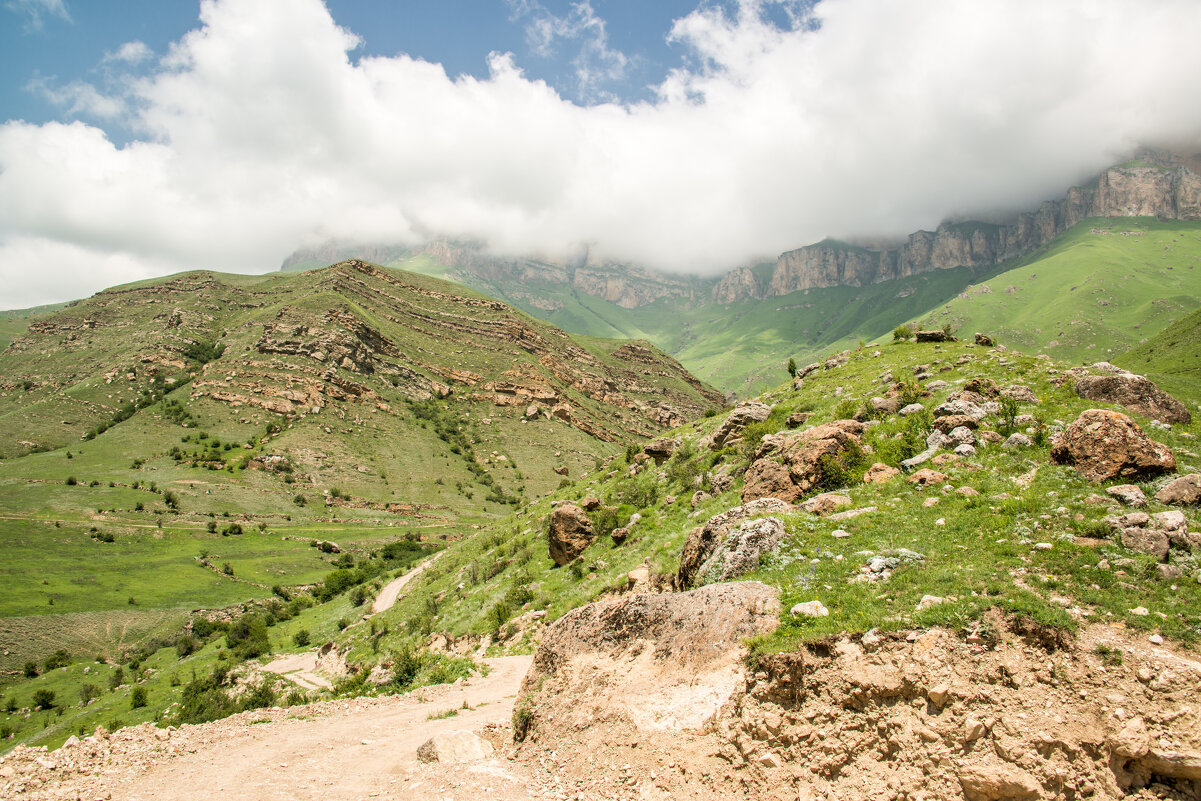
x=137 y=698
x=902 y=333
x=301 y=638
x=43 y=699
x=59 y=658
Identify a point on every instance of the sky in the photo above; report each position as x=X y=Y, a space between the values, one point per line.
x=149 y=137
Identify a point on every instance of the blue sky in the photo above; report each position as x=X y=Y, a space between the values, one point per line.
x=141 y=138
x=47 y=44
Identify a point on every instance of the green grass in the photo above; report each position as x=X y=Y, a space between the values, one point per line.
x=1172 y=357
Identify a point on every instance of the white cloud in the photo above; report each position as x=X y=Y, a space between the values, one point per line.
x=134 y=52
x=874 y=117
x=79 y=98
x=36 y=10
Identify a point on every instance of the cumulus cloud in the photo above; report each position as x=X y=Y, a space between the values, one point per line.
x=134 y=52
x=35 y=11
x=596 y=64
x=257 y=133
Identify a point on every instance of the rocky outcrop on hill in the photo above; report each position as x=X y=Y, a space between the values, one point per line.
x=1106 y=382
x=569 y=534
x=706 y=543
x=787 y=466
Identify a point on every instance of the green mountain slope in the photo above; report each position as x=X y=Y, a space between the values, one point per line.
x=1172 y=357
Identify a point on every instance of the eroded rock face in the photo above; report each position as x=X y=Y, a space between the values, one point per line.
x=454 y=747
x=731 y=428
x=704 y=541
x=1104 y=445
x=880 y=473
x=661 y=662
x=1105 y=382
x=789 y=466
x=569 y=534
x=661 y=449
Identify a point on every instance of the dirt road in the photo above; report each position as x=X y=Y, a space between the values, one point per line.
x=359 y=749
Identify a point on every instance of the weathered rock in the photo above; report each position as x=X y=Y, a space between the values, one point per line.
x=1018 y=440
x=800 y=455
x=619 y=535
x=965 y=450
x=927 y=477
x=962 y=435
x=961 y=406
x=454 y=747
x=569 y=534
x=1146 y=540
x=739 y=552
x=982 y=386
x=1182 y=491
x=825 y=503
x=983 y=340
x=950 y=422
x=912 y=408
x=880 y=473
x=1104 y=445
x=562 y=470
x=704 y=541
x=1105 y=382
x=699 y=497
x=937 y=335
x=1128 y=494
x=590 y=503
x=731 y=428
x=532 y=411
x=661 y=449
x=886 y=405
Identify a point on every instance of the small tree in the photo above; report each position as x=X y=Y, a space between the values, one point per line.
x=43 y=699
x=137 y=699
x=792 y=367
x=901 y=333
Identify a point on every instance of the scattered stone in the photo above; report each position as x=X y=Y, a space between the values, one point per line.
x=938 y=694
x=810 y=609
x=967 y=492
x=982 y=340
x=1018 y=440
x=1128 y=494
x=912 y=408
x=569 y=534
x=1182 y=491
x=740 y=551
x=797 y=419
x=1139 y=611
x=972 y=730
x=1155 y=639
x=928 y=601
x=454 y=747
x=825 y=503
x=770 y=760
x=619 y=535
x=880 y=473
x=965 y=450
x=840 y=534
x=851 y=513
x=562 y=470
x=590 y=503
x=950 y=422
x=699 y=497
x=532 y=411
x=989 y=781
x=886 y=405
x=1104 y=445
x=982 y=386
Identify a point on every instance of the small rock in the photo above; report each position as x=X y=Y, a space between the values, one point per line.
x=770 y=760
x=938 y=694
x=972 y=730
x=1155 y=639
x=880 y=473
x=928 y=601
x=1140 y=611
x=1043 y=546
x=825 y=503
x=1018 y=440
x=1128 y=494
x=810 y=609
x=453 y=747
x=912 y=408
x=927 y=477
x=1185 y=490
x=840 y=534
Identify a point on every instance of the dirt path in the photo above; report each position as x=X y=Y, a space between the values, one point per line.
x=299 y=669
x=357 y=749
x=391 y=591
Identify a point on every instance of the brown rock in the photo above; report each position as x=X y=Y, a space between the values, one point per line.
x=880 y=473
x=799 y=468
x=952 y=421
x=1128 y=494
x=797 y=419
x=927 y=477
x=1104 y=445
x=1146 y=540
x=1123 y=388
x=825 y=503
x=661 y=449
x=569 y=534
x=936 y=335
x=983 y=386
x=1182 y=491
x=997 y=782
x=619 y=535
x=983 y=340
x=590 y=503
x=562 y=470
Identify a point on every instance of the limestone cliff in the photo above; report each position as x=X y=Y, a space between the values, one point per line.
x=1143 y=190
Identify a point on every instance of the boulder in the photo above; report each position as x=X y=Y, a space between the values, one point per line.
x=961 y=407
x=825 y=503
x=936 y=335
x=983 y=340
x=590 y=503
x=619 y=535
x=1183 y=491
x=740 y=551
x=569 y=534
x=1154 y=534
x=1018 y=440
x=1105 y=382
x=788 y=466
x=704 y=541
x=912 y=408
x=797 y=419
x=983 y=386
x=950 y=422
x=731 y=428
x=454 y=747
x=1104 y=445
x=886 y=405
x=661 y=449
x=880 y=473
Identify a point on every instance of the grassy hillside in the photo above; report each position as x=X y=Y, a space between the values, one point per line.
x=177 y=444
x=1008 y=533
x=1172 y=357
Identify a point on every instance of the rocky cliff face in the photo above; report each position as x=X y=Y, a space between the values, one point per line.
x=1134 y=191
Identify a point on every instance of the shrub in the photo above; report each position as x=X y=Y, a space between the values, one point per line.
x=358 y=596
x=117 y=679
x=185 y=645
x=87 y=692
x=72 y=481
x=137 y=699
x=43 y=699
x=901 y=333
x=59 y=658
x=31 y=670
x=301 y=638
x=792 y=367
